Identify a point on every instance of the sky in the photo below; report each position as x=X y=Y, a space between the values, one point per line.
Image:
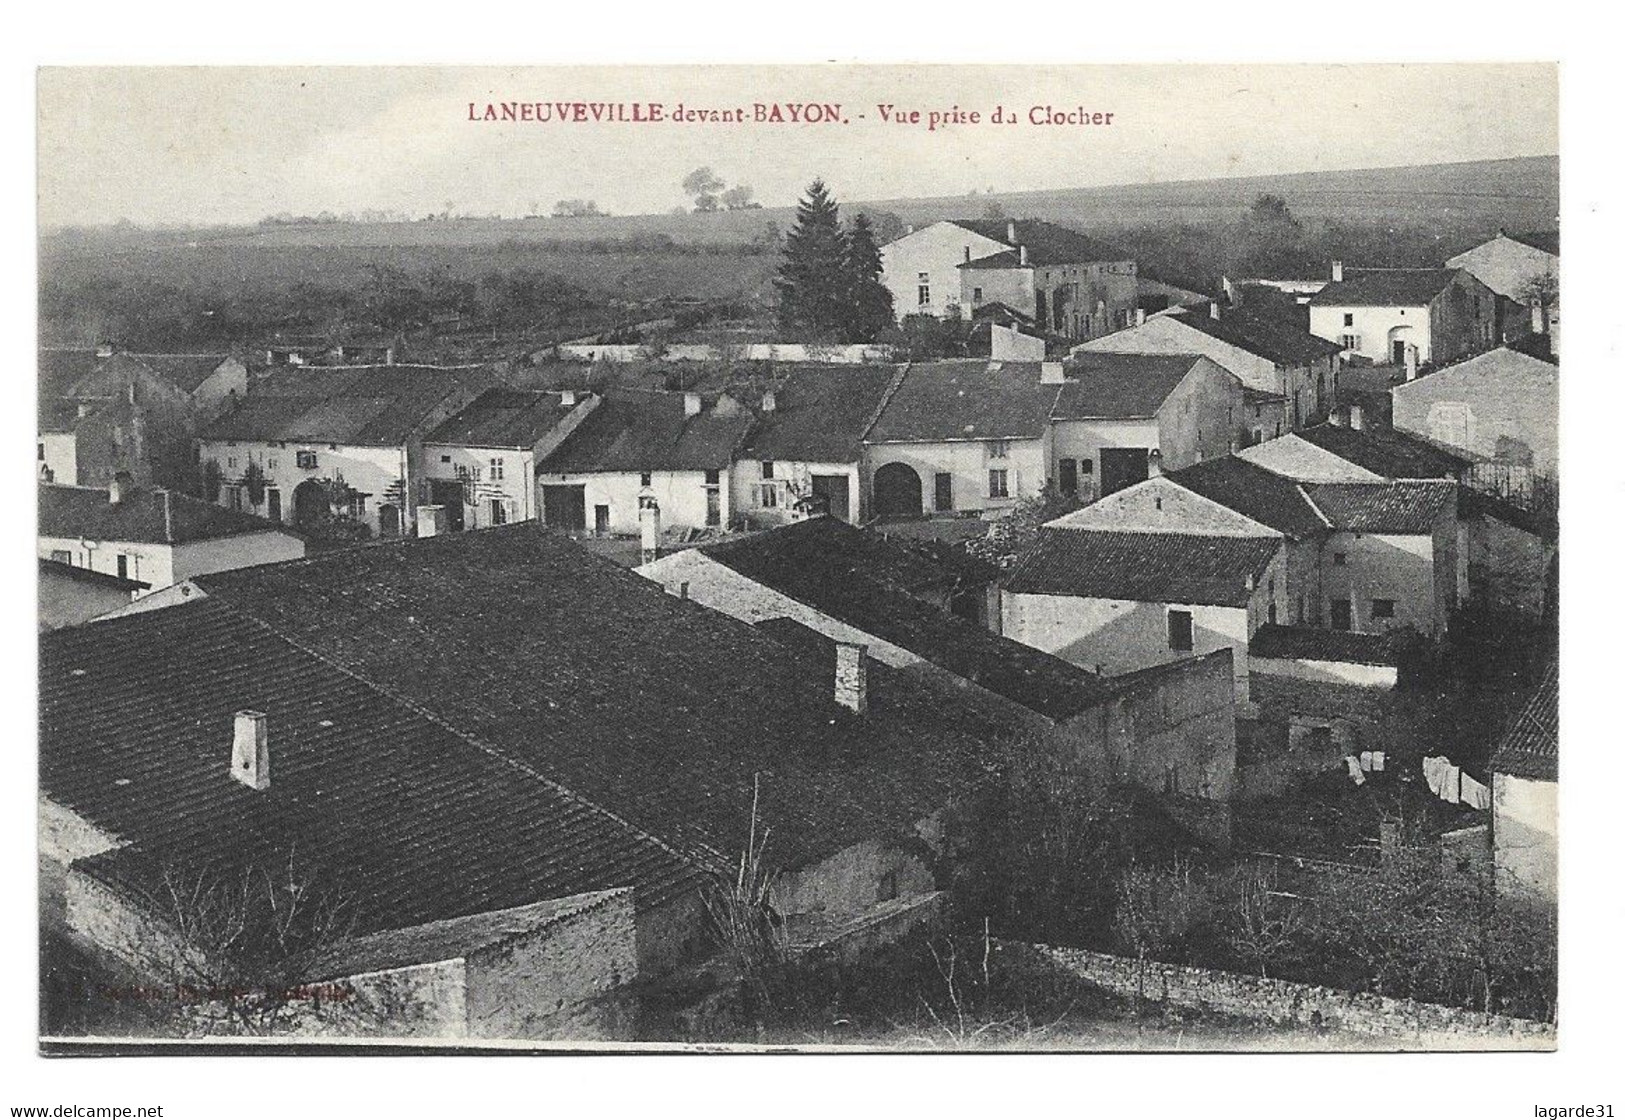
x=179 y=145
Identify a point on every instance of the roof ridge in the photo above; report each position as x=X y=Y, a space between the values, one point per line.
x=1320 y=513
x=885 y=398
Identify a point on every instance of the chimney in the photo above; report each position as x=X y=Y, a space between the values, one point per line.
x=1337 y=272
x=429 y=520
x=1153 y=463
x=852 y=676
x=1213 y=309
x=649 y=527
x=967 y=254
x=682 y=590
x=691 y=404
x=104 y=349
x=769 y=401
x=910 y=229
x=567 y=397
x=115 y=488
x=1051 y=373
x=1023 y=249
x=251 y=750
x=1252 y=582
x=1356 y=417
x=1010 y=231
x=169 y=516
x=1410 y=363
x=1139 y=316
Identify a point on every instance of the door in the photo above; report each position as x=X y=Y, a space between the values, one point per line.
x=835 y=494
x=897 y=491
x=565 y=507
x=1121 y=467
x=600 y=520
x=123 y=566
x=1399 y=351
x=1069 y=476
x=1342 y=614
x=713 y=506
x=448 y=493
x=944 y=491
x=273 y=504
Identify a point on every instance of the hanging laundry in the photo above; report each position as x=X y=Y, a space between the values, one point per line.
x=1474 y=792
x=1443 y=777
x=1354 y=770
x=1377 y=758
x=1365 y=761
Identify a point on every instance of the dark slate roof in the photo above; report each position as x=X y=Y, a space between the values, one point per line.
x=1474 y=503
x=503 y=418
x=59 y=570
x=367 y=406
x=57 y=415
x=661 y=710
x=376 y=801
x=1010 y=258
x=1266 y=497
x=1384 y=451
x=77 y=511
x=1119 y=386
x=1270 y=337
x=966 y=400
x=1384 y=287
x=1528 y=749
x=1311 y=643
x=1048 y=243
x=1546 y=241
x=821 y=413
x=188 y=371
x=864 y=581
x=1404 y=507
x=635 y=430
x=61 y=367
x=1143 y=567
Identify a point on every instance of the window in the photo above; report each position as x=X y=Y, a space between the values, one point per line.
x=1181 y=633
x=123 y=566
x=976 y=295
x=713 y=478
x=234 y=497
x=305 y=459
x=768 y=498
x=646 y=479
x=40 y=454
x=767 y=468
x=270 y=462
x=231 y=462
x=998 y=484
x=496 y=473
x=1382 y=608
x=925 y=289
x=1348 y=318
x=998 y=449
x=445 y=458
x=1349 y=342
x=499 y=512
x=1340 y=559
x=61 y=556
x=888 y=887
x=1086 y=466
x=1342 y=614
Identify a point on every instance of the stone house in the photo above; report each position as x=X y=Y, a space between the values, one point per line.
x=480 y=465
x=1288 y=376
x=1523 y=798
x=336 y=443
x=1404 y=316
x=154 y=538
x=1517 y=269
x=804 y=452
x=669 y=452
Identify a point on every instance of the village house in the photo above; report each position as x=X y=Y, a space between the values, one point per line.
x=1288 y=376
x=1066 y=282
x=1169 y=732
x=668 y=453
x=1119 y=417
x=1498 y=410
x=153 y=537
x=1404 y=316
x=1523 y=798
x=804 y=454
x=208 y=383
x=1522 y=271
x=480 y=464
x=355 y=348
x=967 y=436
x=316 y=446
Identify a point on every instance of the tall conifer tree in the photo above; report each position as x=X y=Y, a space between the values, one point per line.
x=812 y=281
x=869 y=303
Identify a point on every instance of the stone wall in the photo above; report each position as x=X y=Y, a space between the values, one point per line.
x=1285 y=1003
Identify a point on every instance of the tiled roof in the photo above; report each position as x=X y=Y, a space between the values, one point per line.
x=409 y=820
x=1119 y=386
x=1010 y=258
x=1546 y=241
x=1384 y=287
x=1386 y=452
x=1404 y=507
x=57 y=414
x=635 y=430
x=1269 y=337
x=188 y=371
x=822 y=563
x=1266 y=497
x=60 y=570
x=658 y=709
x=61 y=367
x=80 y=512
x=1143 y=567
x=367 y=406
x=503 y=418
x=1046 y=242
x=821 y=413
x=966 y=400
x=1311 y=643
x=1528 y=749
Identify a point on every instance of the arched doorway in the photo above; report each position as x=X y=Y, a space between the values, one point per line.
x=310 y=504
x=897 y=491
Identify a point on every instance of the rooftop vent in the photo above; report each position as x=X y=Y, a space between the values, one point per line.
x=251 y=750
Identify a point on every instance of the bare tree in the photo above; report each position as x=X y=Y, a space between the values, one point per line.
x=1263 y=922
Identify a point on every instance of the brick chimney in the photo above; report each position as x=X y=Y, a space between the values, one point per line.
x=1356 y=417
x=1023 y=250
x=1010 y=231
x=852 y=676
x=115 y=488
x=104 y=349
x=1213 y=309
x=648 y=527
x=691 y=404
x=251 y=750
x=567 y=398
x=1337 y=272
x=770 y=402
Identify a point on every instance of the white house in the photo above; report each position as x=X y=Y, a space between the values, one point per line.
x=481 y=463
x=1523 y=798
x=1400 y=316
x=153 y=537
x=921 y=269
x=672 y=451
